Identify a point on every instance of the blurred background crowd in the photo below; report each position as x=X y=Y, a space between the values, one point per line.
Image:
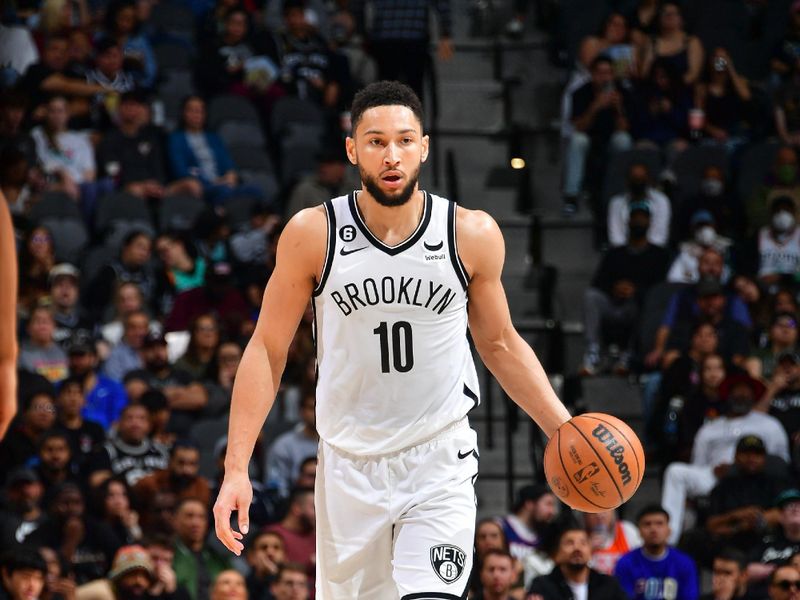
x=150 y=152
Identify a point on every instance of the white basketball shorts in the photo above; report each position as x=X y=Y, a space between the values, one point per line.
x=399 y=526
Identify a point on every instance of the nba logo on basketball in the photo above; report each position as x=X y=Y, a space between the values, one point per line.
x=586 y=472
x=448 y=562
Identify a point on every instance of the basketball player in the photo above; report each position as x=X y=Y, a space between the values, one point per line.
x=390 y=270
x=8 y=319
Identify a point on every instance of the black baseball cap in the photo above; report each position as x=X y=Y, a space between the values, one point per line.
x=751 y=443
x=787 y=497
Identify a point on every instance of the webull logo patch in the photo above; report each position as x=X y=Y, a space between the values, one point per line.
x=614 y=449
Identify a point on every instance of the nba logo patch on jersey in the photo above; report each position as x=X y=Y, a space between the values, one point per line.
x=448 y=562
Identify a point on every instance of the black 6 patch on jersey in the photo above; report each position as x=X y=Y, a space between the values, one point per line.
x=347 y=233
x=448 y=562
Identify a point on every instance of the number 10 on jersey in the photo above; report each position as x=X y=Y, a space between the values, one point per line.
x=397 y=349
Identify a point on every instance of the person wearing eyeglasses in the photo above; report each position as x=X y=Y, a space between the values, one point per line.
x=784 y=584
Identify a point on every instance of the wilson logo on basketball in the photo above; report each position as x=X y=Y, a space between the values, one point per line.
x=615 y=450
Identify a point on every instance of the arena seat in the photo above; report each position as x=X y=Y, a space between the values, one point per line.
x=179 y=212
x=70 y=237
x=228 y=107
x=54 y=205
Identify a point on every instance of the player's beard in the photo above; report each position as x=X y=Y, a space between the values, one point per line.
x=398 y=198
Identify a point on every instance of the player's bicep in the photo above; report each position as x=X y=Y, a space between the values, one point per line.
x=301 y=252
x=482 y=249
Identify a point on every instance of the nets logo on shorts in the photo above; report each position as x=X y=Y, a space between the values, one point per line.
x=448 y=562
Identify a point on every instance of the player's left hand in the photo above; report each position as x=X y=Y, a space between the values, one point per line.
x=236 y=494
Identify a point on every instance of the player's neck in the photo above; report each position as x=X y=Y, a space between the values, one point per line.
x=391 y=224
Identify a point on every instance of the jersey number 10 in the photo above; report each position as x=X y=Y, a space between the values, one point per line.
x=402 y=348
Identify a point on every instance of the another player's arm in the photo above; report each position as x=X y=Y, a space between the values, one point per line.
x=301 y=252
x=8 y=319
x=510 y=359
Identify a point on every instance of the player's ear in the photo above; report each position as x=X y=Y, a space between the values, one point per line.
x=426 y=140
x=350 y=146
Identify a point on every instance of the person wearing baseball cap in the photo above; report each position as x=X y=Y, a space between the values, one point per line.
x=130 y=577
x=715 y=444
x=70 y=318
x=23 y=506
x=741 y=504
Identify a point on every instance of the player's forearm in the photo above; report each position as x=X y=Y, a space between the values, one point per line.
x=8 y=391
x=516 y=367
x=253 y=395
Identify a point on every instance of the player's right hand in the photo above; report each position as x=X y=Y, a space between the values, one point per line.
x=236 y=494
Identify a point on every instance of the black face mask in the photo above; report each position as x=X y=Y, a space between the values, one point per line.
x=739 y=405
x=637 y=187
x=637 y=231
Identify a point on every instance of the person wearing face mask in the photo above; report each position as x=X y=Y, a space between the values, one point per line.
x=712 y=196
x=639 y=190
x=686 y=266
x=782 y=180
x=715 y=446
x=779 y=243
x=613 y=301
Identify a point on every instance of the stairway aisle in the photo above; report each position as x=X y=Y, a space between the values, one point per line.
x=470 y=112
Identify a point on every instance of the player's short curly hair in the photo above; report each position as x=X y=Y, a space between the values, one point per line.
x=384 y=93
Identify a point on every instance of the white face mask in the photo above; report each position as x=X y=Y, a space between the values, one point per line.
x=783 y=221
x=711 y=187
x=705 y=236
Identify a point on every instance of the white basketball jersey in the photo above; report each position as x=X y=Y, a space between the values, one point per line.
x=394 y=364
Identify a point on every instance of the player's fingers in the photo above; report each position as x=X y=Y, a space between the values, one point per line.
x=222 y=526
x=243 y=511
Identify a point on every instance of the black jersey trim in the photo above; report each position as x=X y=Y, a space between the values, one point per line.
x=413 y=239
x=330 y=250
x=471 y=395
x=455 y=259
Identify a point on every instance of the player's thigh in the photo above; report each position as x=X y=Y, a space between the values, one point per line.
x=354 y=532
x=434 y=537
x=433 y=548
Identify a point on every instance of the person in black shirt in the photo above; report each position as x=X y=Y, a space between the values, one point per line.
x=187 y=398
x=21 y=442
x=79 y=538
x=777 y=547
x=132 y=154
x=305 y=60
x=130 y=453
x=618 y=288
x=783 y=395
x=55 y=462
x=21 y=513
x=599 y=118
x=572 y=572
x=52 y=76
x=741 y=504
x=133 y=265
x=83 y=435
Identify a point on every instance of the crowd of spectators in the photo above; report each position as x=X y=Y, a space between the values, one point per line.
x=150 y=152
x=690 y=171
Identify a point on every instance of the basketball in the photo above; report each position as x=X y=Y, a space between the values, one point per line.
x=594 y=462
